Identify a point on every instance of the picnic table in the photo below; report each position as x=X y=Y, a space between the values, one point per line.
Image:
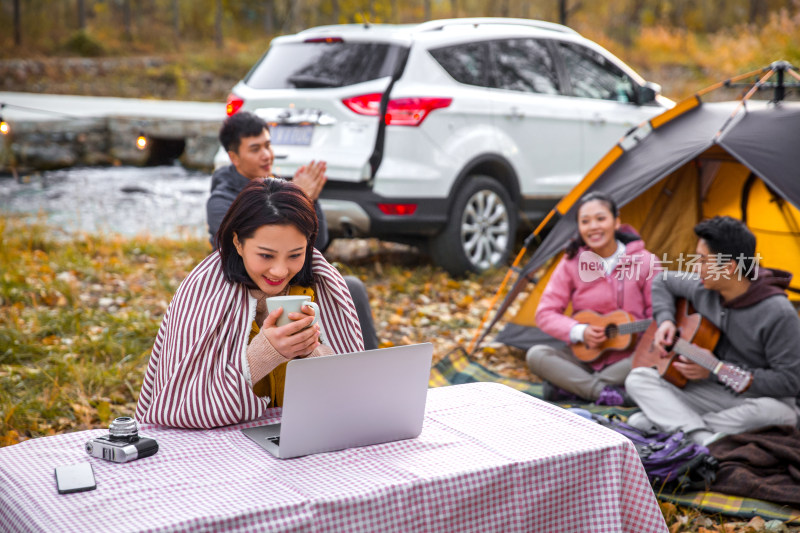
x=489 y=458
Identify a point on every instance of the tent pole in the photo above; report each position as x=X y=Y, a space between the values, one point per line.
x=745 y=98
x=716 y=86
x=756 y=86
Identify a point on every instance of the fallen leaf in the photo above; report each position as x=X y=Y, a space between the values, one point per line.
x=51 y=340
x=11 y=437
x=103 y=411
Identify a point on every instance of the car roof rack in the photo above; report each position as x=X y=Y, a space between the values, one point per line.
x=436 y=25
x=354 y=27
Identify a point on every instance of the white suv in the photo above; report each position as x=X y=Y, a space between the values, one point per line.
x=486 y=121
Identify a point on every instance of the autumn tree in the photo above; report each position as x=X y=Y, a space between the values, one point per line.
x=81 y=10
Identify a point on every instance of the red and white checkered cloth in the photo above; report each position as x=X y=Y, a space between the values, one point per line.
x=489 y=459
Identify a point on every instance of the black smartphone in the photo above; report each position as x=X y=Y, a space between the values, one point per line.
x=75 y=478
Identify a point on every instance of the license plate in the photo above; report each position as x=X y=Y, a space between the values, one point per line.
x=295 y=135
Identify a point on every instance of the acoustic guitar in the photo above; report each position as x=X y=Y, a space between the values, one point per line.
x=694 y=333
x=620 y=328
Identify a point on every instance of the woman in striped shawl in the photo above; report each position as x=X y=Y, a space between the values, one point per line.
x=219 y=358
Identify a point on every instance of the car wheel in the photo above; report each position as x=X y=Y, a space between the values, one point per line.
x=480 y=231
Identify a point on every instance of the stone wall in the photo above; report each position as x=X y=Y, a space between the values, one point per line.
x=52 y=144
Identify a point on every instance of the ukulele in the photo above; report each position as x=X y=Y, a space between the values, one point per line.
x=693 y=331
x=620 y=328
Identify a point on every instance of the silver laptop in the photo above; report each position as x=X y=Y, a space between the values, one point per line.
x=349 y=400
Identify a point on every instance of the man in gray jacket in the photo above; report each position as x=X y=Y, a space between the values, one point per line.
x=760 y=333
x=246 y=138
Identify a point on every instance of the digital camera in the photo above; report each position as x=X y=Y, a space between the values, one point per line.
x=123 y=442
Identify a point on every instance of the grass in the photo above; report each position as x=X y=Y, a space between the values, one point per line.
x=78 y=319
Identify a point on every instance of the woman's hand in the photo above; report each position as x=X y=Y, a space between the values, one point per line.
x=664 y=337
x=295 y=339
x=594 y=336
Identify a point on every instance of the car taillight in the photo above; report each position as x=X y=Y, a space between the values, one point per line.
x=412 y=111
x=234 y=104
x=366 y=104
x=397 y=209
x=400 y=111
x=326 y=40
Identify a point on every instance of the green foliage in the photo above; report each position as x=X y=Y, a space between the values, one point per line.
x=82 y=44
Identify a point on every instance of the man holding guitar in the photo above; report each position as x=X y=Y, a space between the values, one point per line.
x=755 y=362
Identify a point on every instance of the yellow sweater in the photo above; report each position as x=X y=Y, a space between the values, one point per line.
x=273 y=383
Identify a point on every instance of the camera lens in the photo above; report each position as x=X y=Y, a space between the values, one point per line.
x=123 y=428
x=89 y=447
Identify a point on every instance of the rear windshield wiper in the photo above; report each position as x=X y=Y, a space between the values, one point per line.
x=304 y=81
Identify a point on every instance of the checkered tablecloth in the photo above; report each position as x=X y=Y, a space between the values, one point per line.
x=489 y=459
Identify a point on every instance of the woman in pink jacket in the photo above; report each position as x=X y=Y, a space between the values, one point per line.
x=603 y=270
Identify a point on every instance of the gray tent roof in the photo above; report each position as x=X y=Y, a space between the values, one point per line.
x=763 y=137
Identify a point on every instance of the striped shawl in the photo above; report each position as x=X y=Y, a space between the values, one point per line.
x=196 y=374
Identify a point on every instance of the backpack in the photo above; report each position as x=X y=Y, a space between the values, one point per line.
x=673 y=462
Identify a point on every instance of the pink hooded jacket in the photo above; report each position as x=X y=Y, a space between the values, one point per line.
x=627 y=288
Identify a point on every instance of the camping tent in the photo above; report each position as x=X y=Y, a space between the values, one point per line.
x=692 y=162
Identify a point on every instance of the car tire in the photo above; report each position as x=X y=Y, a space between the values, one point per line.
x=481 y=229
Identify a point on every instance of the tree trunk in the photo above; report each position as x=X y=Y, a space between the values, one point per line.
x=757 y=11
x=176 y=20
x=526 y=10
x=395 y=14
x=678 y=13
x=454 y=8
x=17 y=24
x=427 y=4
x=562 y=12
x=127 y=22
x=218 y=25
x=633 y=22
x=81 y=15
x=291 y=10
x=269 y=16
x=335 y=12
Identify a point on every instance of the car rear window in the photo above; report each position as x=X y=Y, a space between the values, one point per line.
x=314 y=65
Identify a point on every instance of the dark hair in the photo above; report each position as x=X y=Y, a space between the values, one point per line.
x=731 y=238
x=576 y=242
x=266 y=202
x=238 y=125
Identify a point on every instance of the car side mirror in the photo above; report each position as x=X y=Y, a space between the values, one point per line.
x=648 y=92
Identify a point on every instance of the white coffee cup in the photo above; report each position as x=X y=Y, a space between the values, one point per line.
x=291 y=304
